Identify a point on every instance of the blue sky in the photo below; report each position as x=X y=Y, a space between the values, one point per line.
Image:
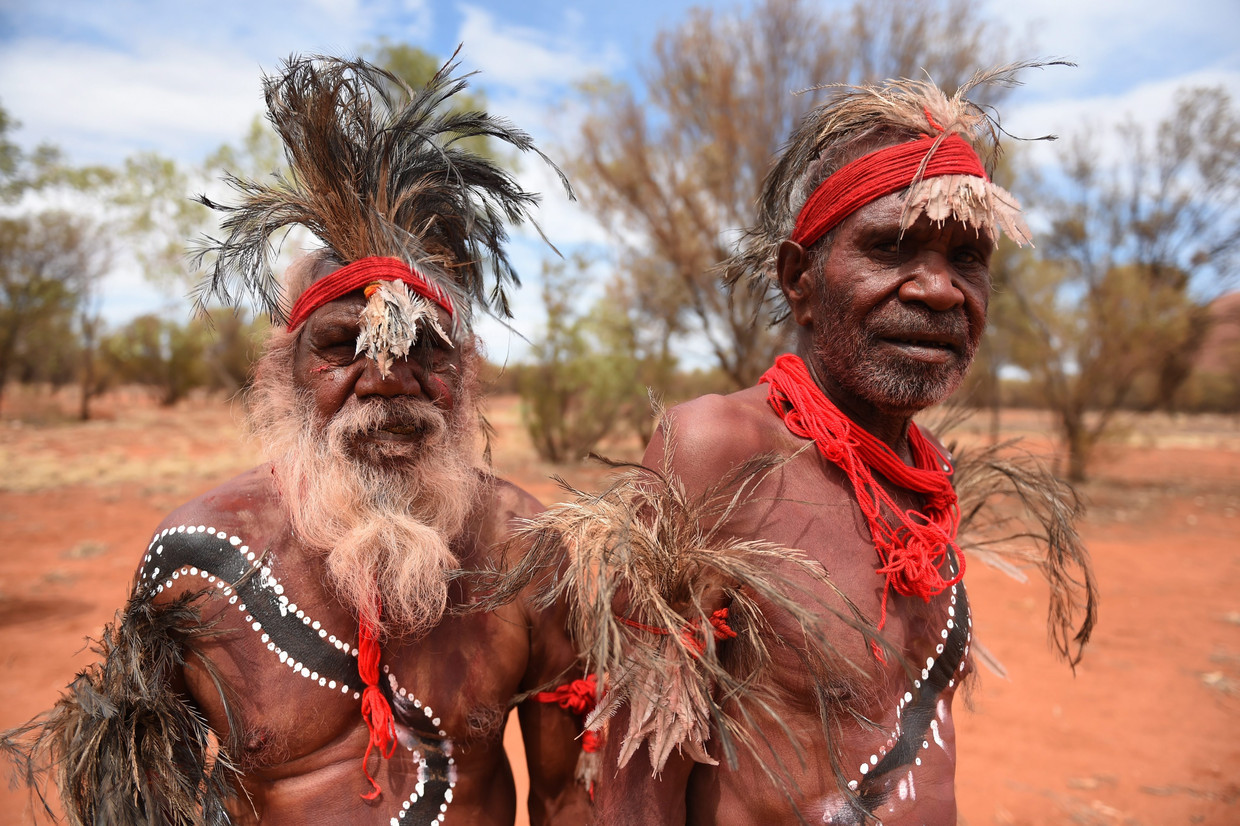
x=104 y=79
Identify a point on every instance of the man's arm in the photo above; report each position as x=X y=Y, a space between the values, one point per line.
x=551 y=724
x=632 y=794
x=639 y=792
x=125 y=741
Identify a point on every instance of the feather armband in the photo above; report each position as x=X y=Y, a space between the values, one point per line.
x=122 y=743
x=1015 y=515
x=654 y=593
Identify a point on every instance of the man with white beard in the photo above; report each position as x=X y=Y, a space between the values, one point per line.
x=299 y=646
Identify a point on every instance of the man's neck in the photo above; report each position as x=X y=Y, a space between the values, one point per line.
x=891 y=429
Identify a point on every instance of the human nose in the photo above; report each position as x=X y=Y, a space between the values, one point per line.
x=932 y=284
x=400 y=380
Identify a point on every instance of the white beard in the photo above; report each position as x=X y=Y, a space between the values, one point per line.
x=383 y=516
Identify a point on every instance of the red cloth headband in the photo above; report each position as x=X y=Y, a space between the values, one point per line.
x=357 y=275
x=880 y=173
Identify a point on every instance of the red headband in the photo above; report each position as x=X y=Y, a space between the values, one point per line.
x=877 y=174
x=357 y=275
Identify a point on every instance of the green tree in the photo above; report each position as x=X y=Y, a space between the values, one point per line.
x=160 y=354
x=44 y=168
x=148 y=198
x=50 y=263
x=580 y=381
x=233 y=342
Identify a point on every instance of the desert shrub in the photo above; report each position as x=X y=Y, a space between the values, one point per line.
x=582 y=379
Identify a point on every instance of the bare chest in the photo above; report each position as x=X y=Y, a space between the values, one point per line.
x=891 y=703
x=286 y=655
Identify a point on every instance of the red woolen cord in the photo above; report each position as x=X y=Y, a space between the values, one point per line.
x=578 y=696
x=375 y=708
x=359 y=274
x=689 y=634
x=880 y=173
x=912 y=545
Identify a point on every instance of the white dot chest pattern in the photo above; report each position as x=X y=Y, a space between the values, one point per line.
x=297 y=640
x=918 y=711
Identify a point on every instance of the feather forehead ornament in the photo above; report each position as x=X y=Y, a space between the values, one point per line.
x=379 y=173
x=937 y=139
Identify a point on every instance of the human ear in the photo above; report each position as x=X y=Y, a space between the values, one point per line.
x=795 y=281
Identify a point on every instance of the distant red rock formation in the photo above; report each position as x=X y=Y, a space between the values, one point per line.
x=1220 y=352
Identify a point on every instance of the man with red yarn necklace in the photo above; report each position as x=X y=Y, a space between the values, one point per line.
x=299 y=645
x=876 y=226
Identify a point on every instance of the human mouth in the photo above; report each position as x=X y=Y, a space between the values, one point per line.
x=397 y=432
x=931 y=349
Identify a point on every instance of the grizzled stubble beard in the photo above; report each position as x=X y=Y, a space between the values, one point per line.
x=852 y=353
x=383 y=515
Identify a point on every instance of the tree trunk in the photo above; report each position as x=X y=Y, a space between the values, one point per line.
x=1079 y=443
x=89 y=329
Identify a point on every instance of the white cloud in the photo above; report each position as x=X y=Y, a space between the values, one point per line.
x=102 y=80
x=1118 y=43
x=564 y=222
x=101 y=105
x=528 y=60
x=1099 y=116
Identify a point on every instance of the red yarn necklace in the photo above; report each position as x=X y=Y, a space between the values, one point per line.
x=912 y=544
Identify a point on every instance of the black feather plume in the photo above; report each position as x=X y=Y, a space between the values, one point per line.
x=124 y=745
x=375 y=168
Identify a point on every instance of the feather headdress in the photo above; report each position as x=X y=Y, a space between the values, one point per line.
x=375 y=169
x=863 y=118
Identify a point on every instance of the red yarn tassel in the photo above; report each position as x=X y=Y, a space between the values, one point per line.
x=375 y=708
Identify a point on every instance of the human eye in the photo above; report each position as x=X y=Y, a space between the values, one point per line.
x=886 y=249
x=972 y=256
x=335 y=341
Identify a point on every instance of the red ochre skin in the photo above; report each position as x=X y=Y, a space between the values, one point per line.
x=303 y=743
x=808 y=503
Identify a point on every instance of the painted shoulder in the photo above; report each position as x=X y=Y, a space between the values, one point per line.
x=219 y=536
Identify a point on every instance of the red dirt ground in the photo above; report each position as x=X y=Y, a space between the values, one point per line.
x=1146 y=732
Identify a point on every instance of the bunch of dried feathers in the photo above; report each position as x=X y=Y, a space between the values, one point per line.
x=638 y=564
x=1015 y=514
x=124 y=745
x=642 y=570
x=390 y=324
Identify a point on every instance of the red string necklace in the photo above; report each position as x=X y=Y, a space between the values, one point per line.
x=912 y=544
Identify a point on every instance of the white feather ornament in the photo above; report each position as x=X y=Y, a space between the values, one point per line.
x=390 y=321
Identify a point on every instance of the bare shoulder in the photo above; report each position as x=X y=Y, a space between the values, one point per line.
x=217 y=536
x=241 y=505
x=502 y=509
x=707 y=437
x=510 y=502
